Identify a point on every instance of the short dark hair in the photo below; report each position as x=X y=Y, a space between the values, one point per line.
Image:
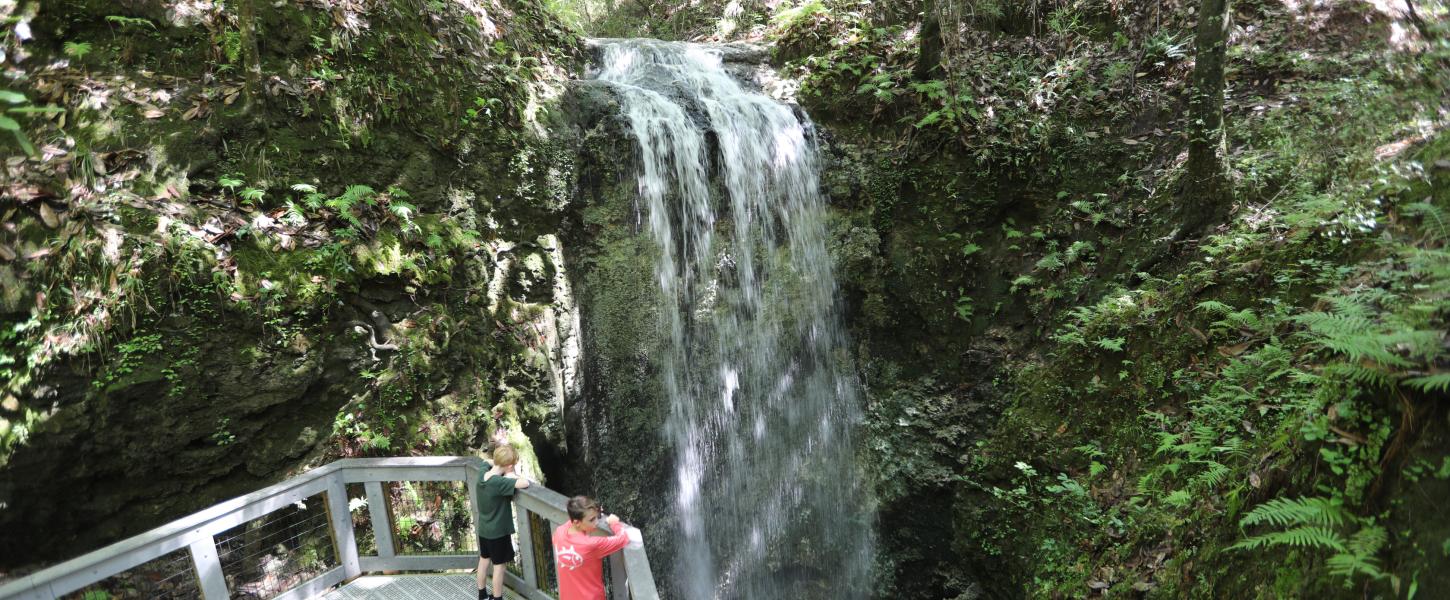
x=579 y=507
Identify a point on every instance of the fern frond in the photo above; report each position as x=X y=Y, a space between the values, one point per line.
x=1214 y=307
x=1347 y=565
x=1212 y=476
x=1430 y=383
x=1362 y=347
x=1167 y=442
x=1329 y=324
x=1349 y=306
x=1179 y=498
x=1368 y=540
x=1308 y=536
x=1051 y=262
x=1145 y=483
x=1431 y=215
x=1296 y=511
x=1365 y=374
x=1243 y=319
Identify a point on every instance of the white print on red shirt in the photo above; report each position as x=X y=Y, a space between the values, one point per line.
x=569 y=558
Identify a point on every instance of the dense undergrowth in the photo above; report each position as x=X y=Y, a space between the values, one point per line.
x=1184 y=405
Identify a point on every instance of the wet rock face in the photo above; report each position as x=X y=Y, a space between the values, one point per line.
x=130 y=448
x=615 y=451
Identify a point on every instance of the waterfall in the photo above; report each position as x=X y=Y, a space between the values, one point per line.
x=762 y=403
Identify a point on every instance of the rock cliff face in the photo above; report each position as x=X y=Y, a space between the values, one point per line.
x=207 y=290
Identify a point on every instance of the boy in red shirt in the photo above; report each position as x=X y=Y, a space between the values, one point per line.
x=578 y=553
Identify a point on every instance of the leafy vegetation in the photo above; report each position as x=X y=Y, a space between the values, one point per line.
x=1070 y=393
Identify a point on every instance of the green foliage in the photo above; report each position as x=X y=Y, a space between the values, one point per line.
x=223 y=436
x=76 y=50
x=1316 y=523
x=1284 y=512
x=126 y=22
x=352 y=199
x=788 y=17
x=20 y=105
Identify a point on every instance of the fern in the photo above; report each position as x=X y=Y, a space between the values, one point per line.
x=1430 y=383
x=1287 y=511
x=402 y=210
x=1214 y=474
x=1214 y=307
x=294 y=216
x=1111 y=344
x=1351 y=335
x=1078 y=250
x=1358 y=557
x=1051 y=262
x=252 y=195
x=1433 y=215
x=1179 y=498
x=1307 y=536
x=1022 y=281
x=1243 y=319
x=78 y=50
x=1365 y=374
x=350 y=199
x=231 y=182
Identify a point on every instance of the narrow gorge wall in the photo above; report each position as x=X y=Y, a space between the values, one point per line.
x=208 y=288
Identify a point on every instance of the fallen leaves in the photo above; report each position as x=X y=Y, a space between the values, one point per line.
x=49 y=216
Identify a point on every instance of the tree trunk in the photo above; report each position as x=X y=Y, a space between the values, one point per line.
x=1207 y=192
x=928 y=58
x=251 y=58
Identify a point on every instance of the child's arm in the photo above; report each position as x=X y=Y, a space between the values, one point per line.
x=613 y=543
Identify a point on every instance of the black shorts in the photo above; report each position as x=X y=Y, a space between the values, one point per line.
x=499 y=551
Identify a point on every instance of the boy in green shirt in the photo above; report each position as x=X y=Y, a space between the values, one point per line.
x=496 y=519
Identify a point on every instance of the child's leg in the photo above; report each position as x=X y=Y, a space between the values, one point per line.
x=498 y=580
x=482 y=572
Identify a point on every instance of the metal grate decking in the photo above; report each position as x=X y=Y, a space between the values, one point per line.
x=409 y=587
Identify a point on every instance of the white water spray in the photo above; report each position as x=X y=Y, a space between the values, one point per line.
x=762 y=405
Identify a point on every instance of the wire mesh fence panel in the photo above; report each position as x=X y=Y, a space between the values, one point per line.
x=362 y=520
x=167 y=577
x=609 y=582
x=543 y=531
x=431 y=517
x=274 y=553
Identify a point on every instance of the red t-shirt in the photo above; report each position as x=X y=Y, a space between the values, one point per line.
x=578 y=559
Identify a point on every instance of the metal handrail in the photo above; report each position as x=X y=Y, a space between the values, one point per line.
x=630 y=569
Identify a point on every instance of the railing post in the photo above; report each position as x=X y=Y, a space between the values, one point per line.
x=641 y=579
x=209 y=569
x=525 y=527
x=378 y=512
x=342 y=532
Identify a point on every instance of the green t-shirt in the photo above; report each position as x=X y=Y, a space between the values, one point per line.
x=495 y=510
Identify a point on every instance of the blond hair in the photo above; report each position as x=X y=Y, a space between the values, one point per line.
x=505 y=455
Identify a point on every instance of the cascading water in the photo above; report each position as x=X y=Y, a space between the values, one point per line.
x=769 y=497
